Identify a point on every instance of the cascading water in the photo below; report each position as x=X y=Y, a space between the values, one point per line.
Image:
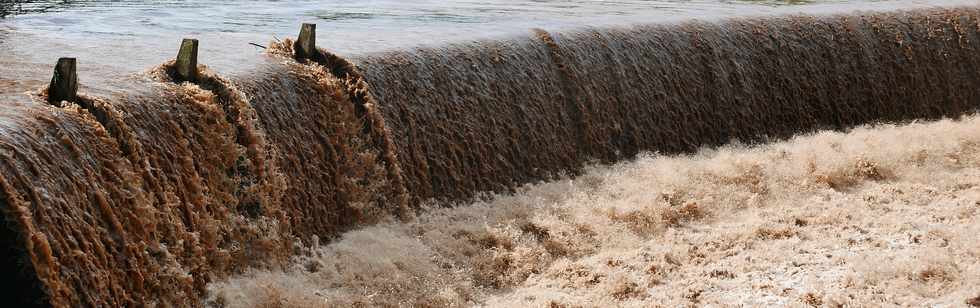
x=146 y=197
x=338 y=174
x=483 y=116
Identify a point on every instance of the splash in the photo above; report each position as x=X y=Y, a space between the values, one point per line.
x=876 y=216
x=150 y=195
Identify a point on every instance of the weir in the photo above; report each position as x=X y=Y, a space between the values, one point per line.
x=484 y=116
x=146 y=196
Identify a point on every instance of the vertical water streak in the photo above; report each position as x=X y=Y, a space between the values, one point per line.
x=338 y=174
x=476 y=117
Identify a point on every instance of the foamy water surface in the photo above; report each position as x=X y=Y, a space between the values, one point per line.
x=880 y=216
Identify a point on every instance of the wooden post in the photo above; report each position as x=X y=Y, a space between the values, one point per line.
x=305 y=46
x=186 y=66
x=64 y=84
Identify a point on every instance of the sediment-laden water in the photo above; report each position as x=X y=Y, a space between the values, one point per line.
x=481 y=116
x=149 y=193
x=877 y=216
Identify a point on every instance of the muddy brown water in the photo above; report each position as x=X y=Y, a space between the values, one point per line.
x=144 y=195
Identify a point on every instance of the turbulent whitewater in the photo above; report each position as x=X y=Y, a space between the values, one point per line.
x=877 y=216
x=157 y=193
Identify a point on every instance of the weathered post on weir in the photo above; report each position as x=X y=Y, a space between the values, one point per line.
x=64 y=83
x=305 y=45
x=186 y=66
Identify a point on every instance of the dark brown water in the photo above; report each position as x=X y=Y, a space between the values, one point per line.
x=146 y=195
x=484 y=116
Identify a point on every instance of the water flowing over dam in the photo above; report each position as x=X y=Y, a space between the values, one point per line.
x=483 y=116
x=145 y=195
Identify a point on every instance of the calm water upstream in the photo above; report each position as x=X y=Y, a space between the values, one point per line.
x=114 y=38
